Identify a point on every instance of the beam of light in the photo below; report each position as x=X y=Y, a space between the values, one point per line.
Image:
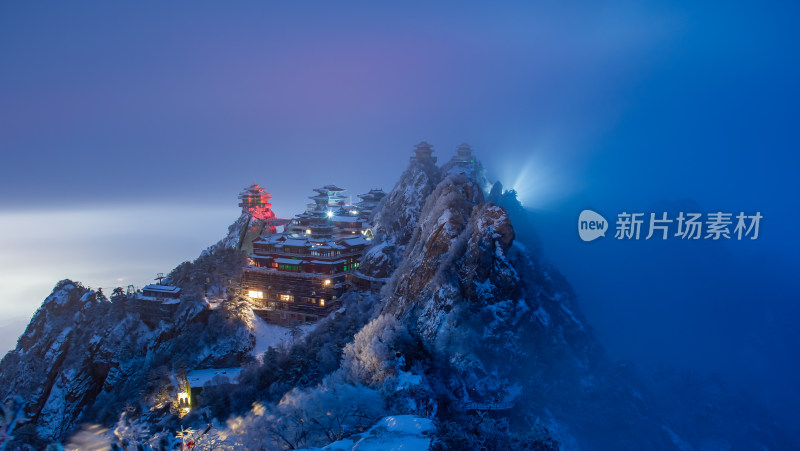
x=537 y=179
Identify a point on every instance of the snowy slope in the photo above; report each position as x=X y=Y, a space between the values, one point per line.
x=394 y=433
x=272 y=335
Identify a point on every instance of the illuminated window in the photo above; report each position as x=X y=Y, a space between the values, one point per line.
x=184 y=403
x=183 y=398
x=287 y=298
x=256 y=294
x=327 y=282
x=322 y=302
x=308 y=231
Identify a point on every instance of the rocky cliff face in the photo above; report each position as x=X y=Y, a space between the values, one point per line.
x=400 y=209
x=48 y=346
x=83 y=358
x=396 y=217
x=504 y=326
x=477 y=298
x=242 y=233
x=462 y=262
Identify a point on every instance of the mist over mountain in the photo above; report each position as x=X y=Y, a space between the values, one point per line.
x=474 y=341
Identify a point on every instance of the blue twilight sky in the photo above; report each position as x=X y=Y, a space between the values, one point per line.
x=127 y=130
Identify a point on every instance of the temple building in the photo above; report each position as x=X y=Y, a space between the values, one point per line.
x=316 y=221
x=464 y=154
x=156 y=303
x=299 y=275
x=161 y=292
x=368 y=203
x=256 y=201
x=199 y=380
x=257 y=209
x=423 y=152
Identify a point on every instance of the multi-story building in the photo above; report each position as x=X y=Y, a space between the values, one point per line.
x=156 y=303
x=299 y=275
x=464 y=154
x=368 y=203
x=423 y=152
x=256 y=201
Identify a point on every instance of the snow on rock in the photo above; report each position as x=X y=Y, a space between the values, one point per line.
x=435 y=242
x=272 y=335
x=406 y=379
x=80 y=357
x=199 y=378
x=268 y=335
x=572 y=316
x=394 y=433
x=241 y=234
x=60 y=296
x=235 y=232
x=679 y=443
x=401 y=208
x=541 y=315
x=56 y=348
x=379 y=261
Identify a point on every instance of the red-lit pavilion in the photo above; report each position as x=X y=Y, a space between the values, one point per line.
x=256 y=201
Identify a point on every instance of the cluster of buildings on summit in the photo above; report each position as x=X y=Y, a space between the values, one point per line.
x=298 y=275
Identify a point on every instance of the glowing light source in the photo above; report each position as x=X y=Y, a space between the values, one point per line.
x=308 y=231
x=329 y=213
x=256 y=294
x=322 y=302
x=327 y=282
x=255 y=200
x=184 y=404
x=537 y=180
x=183 y=398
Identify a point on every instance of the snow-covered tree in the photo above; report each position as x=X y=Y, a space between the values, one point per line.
x=309 y=417
x=332 y=410
x=131 y=432
x=369 y=358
